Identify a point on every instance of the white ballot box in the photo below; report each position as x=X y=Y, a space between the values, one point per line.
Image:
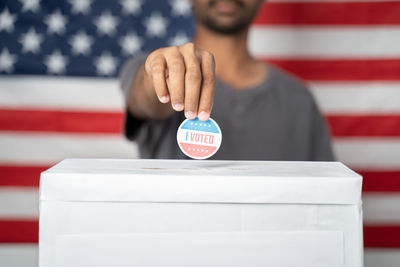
x=149 y=213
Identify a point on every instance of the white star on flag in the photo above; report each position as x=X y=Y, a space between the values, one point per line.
x=56 y=22
x=81 y=43
x=55 y=62
x=7 y=61
x=130 y=43
x=156 y=24
x=31 y=41
x=105 y=64
x=131 y=6
x=180 y=7
x=7 y=20
x=80 y=6
x=179 y=39
x=32 y=5
x=106 y=24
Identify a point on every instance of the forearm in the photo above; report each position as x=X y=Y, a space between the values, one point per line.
x=142 y=99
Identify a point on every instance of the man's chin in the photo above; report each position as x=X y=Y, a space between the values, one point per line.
x=226 y=27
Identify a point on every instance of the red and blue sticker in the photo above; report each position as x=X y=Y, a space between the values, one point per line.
x=199 y=139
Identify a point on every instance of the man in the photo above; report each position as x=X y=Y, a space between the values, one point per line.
x=263 y=113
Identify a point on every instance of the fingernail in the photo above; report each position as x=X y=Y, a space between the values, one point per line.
x=178 y=107
x=163 y=99
x=190 y=115
x=203 y=116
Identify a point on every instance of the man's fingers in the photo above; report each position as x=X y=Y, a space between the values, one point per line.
x=185 y=76
x=156 y=68
x=207 y=86
x=176 y=79
x=192 y=81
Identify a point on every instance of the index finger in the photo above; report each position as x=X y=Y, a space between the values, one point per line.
x=157 y=67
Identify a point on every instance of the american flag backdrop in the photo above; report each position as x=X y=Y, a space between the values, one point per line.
x=59 y=93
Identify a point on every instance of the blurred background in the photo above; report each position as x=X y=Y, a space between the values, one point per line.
x=59 y=95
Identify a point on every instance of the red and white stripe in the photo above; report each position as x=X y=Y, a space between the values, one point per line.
x=42 y=121
x=348 y=53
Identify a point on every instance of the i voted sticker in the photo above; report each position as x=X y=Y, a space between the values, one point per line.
x=199 y=139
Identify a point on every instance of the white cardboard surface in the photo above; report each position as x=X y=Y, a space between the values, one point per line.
x=201 y=181
x=111 y=204
x=302 y=249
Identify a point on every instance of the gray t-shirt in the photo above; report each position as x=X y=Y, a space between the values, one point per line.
x=275 y=120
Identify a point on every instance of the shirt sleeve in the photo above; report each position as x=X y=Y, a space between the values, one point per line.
x=132 y=125
x=321 y=148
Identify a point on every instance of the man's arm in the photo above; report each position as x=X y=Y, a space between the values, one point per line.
x=321 y=149
x=174 y=79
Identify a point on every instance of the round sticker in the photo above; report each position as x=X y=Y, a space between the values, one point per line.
x=199 y=139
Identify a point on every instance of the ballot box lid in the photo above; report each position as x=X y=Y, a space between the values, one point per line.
x=200 y=181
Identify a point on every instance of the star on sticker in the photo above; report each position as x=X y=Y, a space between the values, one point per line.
x=131 y=6
x=7 y=20
x=56 y=22
x=31 y=41
x=156 y=24
x=80 y=6
x=180 y=7
x=32 y=5
x=106 y=23
x=7 y=61
x=81 y=43
x=130 y=43
x=105 y=64
x=56 y=62
x=179 y=39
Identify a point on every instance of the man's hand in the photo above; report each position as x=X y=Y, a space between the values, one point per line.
x=184 y=75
